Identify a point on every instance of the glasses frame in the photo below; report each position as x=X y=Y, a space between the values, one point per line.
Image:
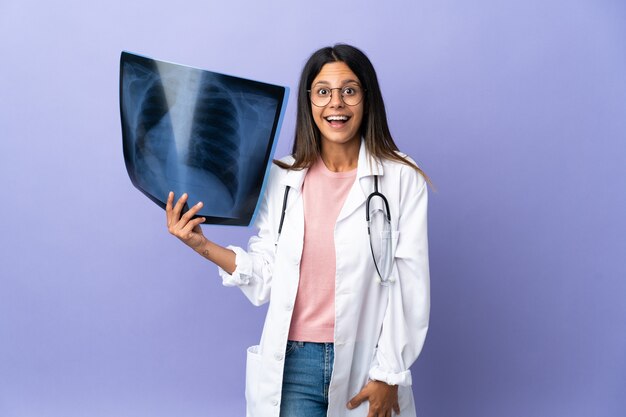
x=330 y=98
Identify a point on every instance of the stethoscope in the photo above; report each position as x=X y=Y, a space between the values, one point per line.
x=384 y=262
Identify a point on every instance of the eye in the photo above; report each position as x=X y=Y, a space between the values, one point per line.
x=349 y=91
x=322 y=92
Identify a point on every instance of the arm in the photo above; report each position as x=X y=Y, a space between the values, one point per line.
x=406 y=319
x=250 y=270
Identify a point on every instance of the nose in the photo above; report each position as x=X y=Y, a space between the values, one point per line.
x=335 y=98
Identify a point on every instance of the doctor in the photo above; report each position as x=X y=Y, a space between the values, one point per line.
x=341 y=256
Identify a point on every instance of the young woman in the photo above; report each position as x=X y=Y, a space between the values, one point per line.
x=341 y=256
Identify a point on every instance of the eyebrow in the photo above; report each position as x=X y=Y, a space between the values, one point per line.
x=343 y=82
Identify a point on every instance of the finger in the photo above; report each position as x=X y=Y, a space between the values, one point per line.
x=170 y=199
x=192 y=225
x=168 y=207
x=179 y=206
x=357 y=400
x=396 y=408
x=192 y=212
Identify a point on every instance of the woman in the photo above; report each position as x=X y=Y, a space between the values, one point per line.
x=348 y=310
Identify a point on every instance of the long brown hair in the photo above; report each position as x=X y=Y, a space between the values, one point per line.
x=374 y=128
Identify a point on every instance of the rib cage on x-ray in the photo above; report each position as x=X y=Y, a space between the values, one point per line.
x=202 y=117
x=200 y=132
x=215 y=139
x=154 y=108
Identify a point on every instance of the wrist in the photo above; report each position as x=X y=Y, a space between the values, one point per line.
x=384 y=383
x=203 y=248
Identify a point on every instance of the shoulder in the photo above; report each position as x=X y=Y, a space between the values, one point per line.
x=277 y=173
x=289 y=159
x=403 y=172
x=278 y=170
x=282 y=165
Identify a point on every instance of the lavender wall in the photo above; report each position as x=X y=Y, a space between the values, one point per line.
x=517 y=109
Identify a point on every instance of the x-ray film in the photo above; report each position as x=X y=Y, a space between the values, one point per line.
x=199 y=132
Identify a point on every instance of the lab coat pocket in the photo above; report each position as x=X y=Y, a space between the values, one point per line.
x=253 y=372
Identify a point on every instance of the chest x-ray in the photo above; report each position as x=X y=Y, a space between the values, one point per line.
x=207 y=134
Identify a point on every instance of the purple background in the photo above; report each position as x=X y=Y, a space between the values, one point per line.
x=517 y=109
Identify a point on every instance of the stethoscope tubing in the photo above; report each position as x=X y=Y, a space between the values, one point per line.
x=375 y=193
x=369 y=198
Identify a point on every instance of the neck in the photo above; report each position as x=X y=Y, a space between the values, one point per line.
x=341 y=157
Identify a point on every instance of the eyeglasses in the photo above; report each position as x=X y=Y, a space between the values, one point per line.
x=351 y=95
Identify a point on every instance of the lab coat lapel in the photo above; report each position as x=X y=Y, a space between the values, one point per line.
x=294 y=179
x=363 y=185
x=294 y=212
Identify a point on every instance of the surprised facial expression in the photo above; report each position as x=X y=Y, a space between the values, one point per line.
x=338 y=122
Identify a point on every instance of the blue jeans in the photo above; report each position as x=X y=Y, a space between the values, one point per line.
x=306 y=378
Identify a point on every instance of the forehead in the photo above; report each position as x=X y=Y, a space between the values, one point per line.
x=335 y=73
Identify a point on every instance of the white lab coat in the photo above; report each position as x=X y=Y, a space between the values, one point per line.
x=379 y=330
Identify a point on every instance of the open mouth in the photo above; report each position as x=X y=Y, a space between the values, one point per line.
x=337 y=120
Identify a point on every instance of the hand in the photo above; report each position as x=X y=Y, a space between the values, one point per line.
x=382 y=398
x=184 y=227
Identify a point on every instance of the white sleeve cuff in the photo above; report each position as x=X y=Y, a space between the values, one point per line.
x=243 y=270
x=402 y=378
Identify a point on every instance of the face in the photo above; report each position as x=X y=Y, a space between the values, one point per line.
x=338 y=122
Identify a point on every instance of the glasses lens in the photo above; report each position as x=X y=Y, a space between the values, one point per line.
x=380 y=239
x=352 y=95
x=320 y=96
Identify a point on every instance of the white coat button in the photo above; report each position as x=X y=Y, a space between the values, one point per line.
x=274 y=402
x=278 y=356
x=288 y=307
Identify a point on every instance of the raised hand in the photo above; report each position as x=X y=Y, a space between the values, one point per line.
x=185 y=227
x=188 y=230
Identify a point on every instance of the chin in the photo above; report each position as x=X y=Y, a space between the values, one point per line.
x=340 y=139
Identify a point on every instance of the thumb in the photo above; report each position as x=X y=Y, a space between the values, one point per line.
x=357 y=400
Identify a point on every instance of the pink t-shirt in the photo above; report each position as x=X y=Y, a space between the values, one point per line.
x=324 y=193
